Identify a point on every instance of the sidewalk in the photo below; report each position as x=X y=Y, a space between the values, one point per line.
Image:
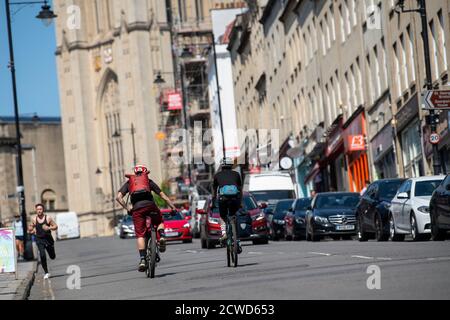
x=12 y=289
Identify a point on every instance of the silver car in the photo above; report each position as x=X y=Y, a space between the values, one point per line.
x=410 y=209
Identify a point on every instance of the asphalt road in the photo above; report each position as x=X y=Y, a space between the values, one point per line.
x=280 y=270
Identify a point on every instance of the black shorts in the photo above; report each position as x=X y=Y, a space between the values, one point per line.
x=228 y=207
x=20 y=238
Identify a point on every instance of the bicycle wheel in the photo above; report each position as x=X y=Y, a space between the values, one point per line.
x=147 y=256
x=152 y=262
x=235 y=242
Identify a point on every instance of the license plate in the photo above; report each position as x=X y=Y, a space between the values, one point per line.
x=345 y=228
x=172 y=234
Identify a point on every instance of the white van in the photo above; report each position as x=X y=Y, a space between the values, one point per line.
x=270 y=186
x=68 y=226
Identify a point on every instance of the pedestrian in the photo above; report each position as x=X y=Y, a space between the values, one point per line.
x=18 y=230
x=313 y=193
x=42 y=226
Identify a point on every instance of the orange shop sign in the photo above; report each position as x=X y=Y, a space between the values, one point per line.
x=356 y=143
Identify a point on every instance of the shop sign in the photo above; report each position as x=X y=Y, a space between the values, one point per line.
x=356 y=143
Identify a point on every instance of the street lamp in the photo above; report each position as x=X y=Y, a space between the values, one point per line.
x=98 y=172
x=46 y=15
x=434 y=118
x=133 y=131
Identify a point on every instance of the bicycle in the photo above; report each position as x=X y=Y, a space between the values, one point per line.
x=152 y=249
x=232 y=241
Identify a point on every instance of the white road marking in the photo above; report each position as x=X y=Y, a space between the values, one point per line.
x=321 y=254
x=387 y=259
x=363 y=257
x=251 y=252
x=191 y=251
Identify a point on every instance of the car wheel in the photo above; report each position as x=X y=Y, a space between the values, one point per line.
x=416 y=236
x=336 y=238
x=187 y=241
x=436 y=233
x=209 y=244
x=394 y=236
x=362 y=235
x=260 y=241
x=314 y=238
x=380 y=234
x=347 y=238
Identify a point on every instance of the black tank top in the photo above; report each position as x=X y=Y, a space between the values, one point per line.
x=40 y=232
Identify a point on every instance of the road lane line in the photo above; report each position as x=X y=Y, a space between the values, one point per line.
x=386 y=259
x=251 y=252
x=321 y=254
x=363 y=257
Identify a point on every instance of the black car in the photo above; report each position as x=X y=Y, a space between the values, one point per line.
x=372 y=212
x=278 y=222
x=440 y=210
x=295 y=227
x=332 y=214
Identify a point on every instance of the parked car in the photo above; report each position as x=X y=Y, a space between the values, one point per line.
x=410 y=209
x=251 y=223
x=126 y=227
x=278 y=222
x=440 y=210
x=270 y=186
x=332 y=214
x=295 y=226
x=210 y=227
x=372 y=213
x=176 y=227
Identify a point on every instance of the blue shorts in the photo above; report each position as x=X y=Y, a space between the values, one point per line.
x=19 y=238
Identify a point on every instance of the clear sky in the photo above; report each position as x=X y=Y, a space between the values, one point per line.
x=34 y=50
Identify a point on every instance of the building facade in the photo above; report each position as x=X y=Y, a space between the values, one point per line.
x=343 y=79
x=43 y=165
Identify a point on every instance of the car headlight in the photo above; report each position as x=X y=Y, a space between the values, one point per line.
x=126 y=228
x=187 y=225
x=424 y=209
x=279 y=221
x=258 y=217
x=321 y=220
x=387 y=205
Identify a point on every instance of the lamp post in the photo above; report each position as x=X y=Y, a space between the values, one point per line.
x=133 y=131
x=46 y=15
x=433 y=117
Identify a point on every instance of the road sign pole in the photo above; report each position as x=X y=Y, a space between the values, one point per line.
x=433 y=115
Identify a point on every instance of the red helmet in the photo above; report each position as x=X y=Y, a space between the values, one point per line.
x=140 y=169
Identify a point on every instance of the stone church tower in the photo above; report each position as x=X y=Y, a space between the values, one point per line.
x=108 y=55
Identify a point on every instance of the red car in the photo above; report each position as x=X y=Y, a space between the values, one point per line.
x=176 y=227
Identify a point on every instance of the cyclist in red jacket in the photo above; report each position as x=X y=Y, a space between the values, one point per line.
x=140 y=188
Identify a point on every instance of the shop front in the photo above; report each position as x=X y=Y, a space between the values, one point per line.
x=384 y=156
x=355 y=146
x=409 y=132
x=444 y=144
x=335 y=158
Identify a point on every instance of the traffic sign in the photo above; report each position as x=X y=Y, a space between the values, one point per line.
x=435 y=138
x=436 y=100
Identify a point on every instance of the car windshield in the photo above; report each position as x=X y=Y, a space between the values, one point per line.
x=426 y=188
x=249 y=203
x=388 y=189
x=340 y=201
x=302 y=204
x=273 y=195
x=177 y=216
x=283 y=206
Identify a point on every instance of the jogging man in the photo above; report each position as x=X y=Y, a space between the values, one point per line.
x=140 y=188
x=227 y=189
x=43 y=225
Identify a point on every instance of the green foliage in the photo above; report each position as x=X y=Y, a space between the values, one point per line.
x=158 y=200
